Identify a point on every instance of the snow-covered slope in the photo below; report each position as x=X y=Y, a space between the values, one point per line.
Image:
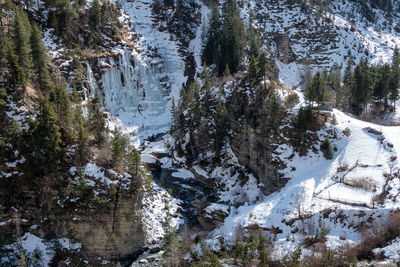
x=306 y=41
x=319 y=185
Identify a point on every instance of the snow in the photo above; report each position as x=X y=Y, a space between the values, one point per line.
x=391 y=251
x=31 y=244
x=140 y=83
x=183 y=173
x=156 y=206
x=312 y=189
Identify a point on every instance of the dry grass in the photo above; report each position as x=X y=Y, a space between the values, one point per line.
x=365 y=183
x=378 y=235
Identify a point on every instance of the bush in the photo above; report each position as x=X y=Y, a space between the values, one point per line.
x=347 y=132
x=291 y=100
x=365 y=183
x=327 y=149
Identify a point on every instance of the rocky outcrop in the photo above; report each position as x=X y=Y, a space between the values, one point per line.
x=253 y=136
x=253 y=149
x=285 y=53
x=113 y=232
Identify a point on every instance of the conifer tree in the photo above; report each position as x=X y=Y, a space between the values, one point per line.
x=253 y=71
x=232 y=37
x=263 y=67
x=3 y=100
x=63 y=110
x=118 y=145
x=21 y=41
x=47 y=138
x=227 y=72
x=222 y=124
x=97 y=122
x=134 y=163
x=361 y=87
x=40 y=60
x=95 y=13
x=17 y=72
x=174 y=116
x=394 y=80
x=83 y=138
x=315 y=90
x=254 y=42
x=211 y=51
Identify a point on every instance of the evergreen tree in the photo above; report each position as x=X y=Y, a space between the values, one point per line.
x=47 y=138
x=315 y=90
x=134 y=163
x=381 y=76
x=63 y=110
x=17 y=73
x=254 y=42
x=97 y=122
x=21 y=41
x=211 y=52
x=232 y=38
x=118 y=145
x=83 y=138
x=274 y=109
x=3 y=100
x=222 y=124
x=253 y=71
x=263 y=67
x=40 y=60
x=227 y=72
x=394 y=80
x=174 y=116
x=95 y=13
x=361 y=87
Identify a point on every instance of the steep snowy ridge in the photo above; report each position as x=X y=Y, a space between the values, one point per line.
x=307 y=42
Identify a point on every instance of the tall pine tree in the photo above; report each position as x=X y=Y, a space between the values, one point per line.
x=40 y=60
x=21 y=41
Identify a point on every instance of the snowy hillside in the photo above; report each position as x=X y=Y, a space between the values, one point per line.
x=187 y=156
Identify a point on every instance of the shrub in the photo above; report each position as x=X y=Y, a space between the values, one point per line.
x=347 y=132
x=327 y=149
x=291 y=100
x=365 y=183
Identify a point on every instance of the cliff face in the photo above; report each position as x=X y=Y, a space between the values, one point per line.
x=253 y=148
x=254 y=136
x=117 y=232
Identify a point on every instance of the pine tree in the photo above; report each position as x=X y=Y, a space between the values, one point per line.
x=315 y=90
x=95 y=13
x=47 y=138
x=17 y=73
x=274 y=109
x=134 y=163
x=3 y=100
x=227 y=72
x=361 y=87
x=21 y=41
x=174 y=117
x=253 y=71
x=212 y=47
x=263 y=67
x=232 y=38
x=118 y=145
x=97 y=122
x=40 y=60
x=222 y=125
x=254 y=42
x=63 y=110
x=83 y=138
x=394 y=80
